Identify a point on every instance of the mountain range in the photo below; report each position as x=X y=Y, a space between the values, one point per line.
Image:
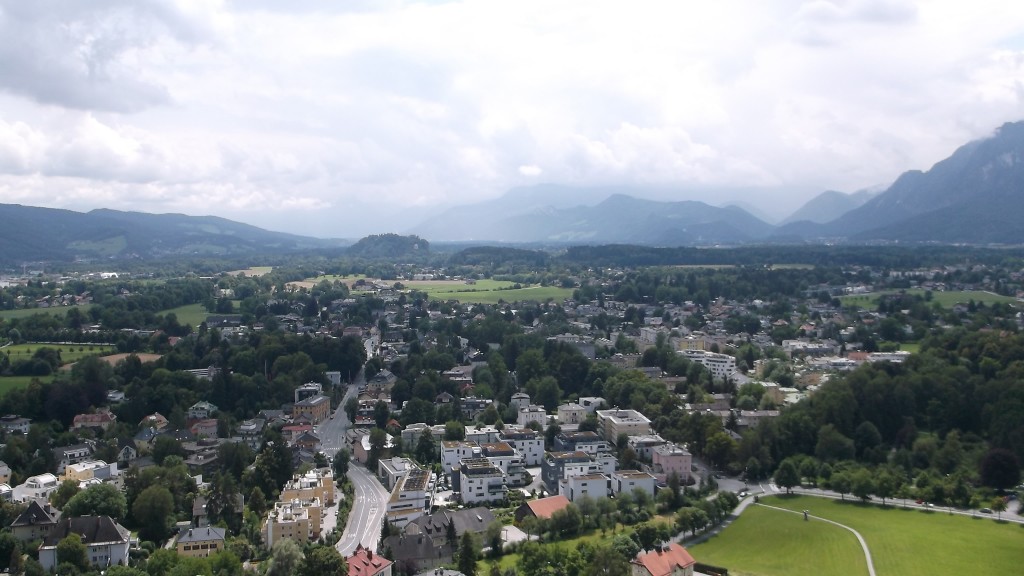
x=976 y=196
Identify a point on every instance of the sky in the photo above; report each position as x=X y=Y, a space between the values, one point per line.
x=338 y=119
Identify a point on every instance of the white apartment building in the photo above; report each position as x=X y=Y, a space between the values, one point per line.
x=532 y=413
x=611 y=423
x=298 y=520
x=481 y=481
x=629 y=480
x=409 y=499
x=454 y=451
x=720 y=365
x=571 y=413
x=34 y=487
x=592 y=485
x=527 y=442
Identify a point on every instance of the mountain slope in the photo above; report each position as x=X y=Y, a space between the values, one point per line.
x=31 y=233
x=828 y=206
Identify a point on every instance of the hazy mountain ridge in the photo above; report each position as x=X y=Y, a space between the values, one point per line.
x=32 y=233
x=828 y=206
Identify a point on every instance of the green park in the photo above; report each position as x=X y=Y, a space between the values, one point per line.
x=767 y=542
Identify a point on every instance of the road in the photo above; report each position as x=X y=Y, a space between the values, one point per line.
x=370 y=497
x=367 y=514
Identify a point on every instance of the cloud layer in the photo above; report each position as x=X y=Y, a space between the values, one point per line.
x=301 y=117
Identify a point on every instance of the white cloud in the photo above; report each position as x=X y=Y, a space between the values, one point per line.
x=296 y=115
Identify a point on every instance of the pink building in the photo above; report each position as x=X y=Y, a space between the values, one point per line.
x=670 y=458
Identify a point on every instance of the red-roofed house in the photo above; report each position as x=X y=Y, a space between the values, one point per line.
x=542 y=507
x=671 y=561
x=364 y=562
x=102 y=419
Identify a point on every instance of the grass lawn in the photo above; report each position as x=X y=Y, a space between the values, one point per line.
x=901 y=541
x=510 y=560
x=768 y=542
x=538 y=293
x=68 y=352
x=8 y=383
x=253 y=271
x=55 y=311
x=945 y=299
x=191 y=314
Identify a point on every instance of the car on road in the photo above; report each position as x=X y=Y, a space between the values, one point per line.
x=985 y=510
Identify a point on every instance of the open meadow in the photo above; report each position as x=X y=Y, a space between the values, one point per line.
x=68 y=352
x=944 y=299
x=765 y=542
x=480 y=292
x=55 y=311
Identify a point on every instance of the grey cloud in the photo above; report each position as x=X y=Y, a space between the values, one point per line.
x=86 y=55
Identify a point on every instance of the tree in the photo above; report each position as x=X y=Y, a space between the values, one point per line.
x=454 y=430
x=340 y=463
x=426 y=449
x=64 y=493
x=469 y=553
x=605 y=560
x=840 y=482
x=647 y=535
x=381 y=414
x=886 y=485
x=999 y=505
x=285 y=558
x=98 y=500
x=1000 y=469
x=378 y=443
x=153 y=510
x=787 y=476
x=71 y=550
x=325 y=561
x=862 y=484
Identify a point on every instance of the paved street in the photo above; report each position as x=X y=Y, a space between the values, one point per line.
x=367 y=512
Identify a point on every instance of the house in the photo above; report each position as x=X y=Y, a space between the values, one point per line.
x=200 y=542
x=363 y=562
x=532 y=413
x=409 y=499
x=66 y=455
x=204 y=428
x=143 y=440
x=671 y=560
x=317 y=483
x=201 y=410
x=529 y=443
x=90 y=469
x=106 y=542
x=629 y=480
x=307 y=441
x=571 y=413
x=35 y=487
x=154 y=420
x=590 y=485
x=36 y=522
x=520 y=400
x=251 y=432
x=542 y=507
x=127 y=451
x=5 y=472
x=12 y=423
x=424 y=541
x=478 y=480
x=383 y=381
x=454 y=451
x=102 y=420
x=315 y=408
x=669 y=459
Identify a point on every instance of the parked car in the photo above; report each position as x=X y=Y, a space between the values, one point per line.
x=985 y=510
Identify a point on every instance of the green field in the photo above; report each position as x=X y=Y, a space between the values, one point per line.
x=945 y=299
x=8 y=383
x=56 y=311
x=767 y=542
x=68 y=352
x=538 y=293
x=191 y=314
x=901 y=541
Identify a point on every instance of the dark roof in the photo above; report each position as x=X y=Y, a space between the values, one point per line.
x=200 y=534
x=436 y=525
x=92 y=529
x=38 y=512
x=415 y=547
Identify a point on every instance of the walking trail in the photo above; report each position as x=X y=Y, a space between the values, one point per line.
x=863 y=544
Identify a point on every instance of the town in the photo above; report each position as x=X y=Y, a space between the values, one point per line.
x=392 y=418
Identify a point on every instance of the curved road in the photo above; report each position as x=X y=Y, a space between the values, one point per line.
x=863 y=544
x=370 y=497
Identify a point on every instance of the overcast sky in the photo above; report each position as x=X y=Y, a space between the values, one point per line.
x=297 y=116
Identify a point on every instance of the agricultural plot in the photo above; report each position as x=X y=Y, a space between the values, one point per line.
x=68 y=352
x=55 y=311
x=944 y=299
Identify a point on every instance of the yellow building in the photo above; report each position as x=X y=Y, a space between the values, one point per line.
x=200 y=542
x=297 y=520
x=316 y=408
x=317 y=484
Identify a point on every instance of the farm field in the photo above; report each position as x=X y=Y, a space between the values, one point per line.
x=68 y=352
x=945 y=299
x=902 y=541
x=254 y=271
x=481 y=292
x=56 y=311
